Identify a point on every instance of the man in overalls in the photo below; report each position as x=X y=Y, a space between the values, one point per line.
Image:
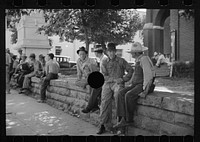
x=141 y=81
x=113 y=70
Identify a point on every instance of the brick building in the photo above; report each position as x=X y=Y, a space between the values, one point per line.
x=167 y=32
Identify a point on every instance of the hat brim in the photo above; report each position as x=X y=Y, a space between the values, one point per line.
x=81 y=50
x=134 y=51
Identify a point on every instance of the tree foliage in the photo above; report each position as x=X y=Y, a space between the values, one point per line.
x=187 y=13
x=89 y=25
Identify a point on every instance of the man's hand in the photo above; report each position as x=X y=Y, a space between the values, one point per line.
x=143 y=94
x=118 y=81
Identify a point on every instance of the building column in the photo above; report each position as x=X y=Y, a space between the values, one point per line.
x=158 y=35
x=148 y=38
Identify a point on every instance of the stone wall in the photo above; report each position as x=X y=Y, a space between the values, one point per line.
x=161 y=113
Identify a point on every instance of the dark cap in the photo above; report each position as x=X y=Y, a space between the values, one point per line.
x=82 y=49
x=97 y=48
x=32 y=55
x=111 y=47
x=41 y=56
x=51 y=55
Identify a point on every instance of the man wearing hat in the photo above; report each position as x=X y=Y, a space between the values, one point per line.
x=52 y=70
x=140 y=81
x=113 y=69
x=36 y=67
x=81 y=62
x=95 y=93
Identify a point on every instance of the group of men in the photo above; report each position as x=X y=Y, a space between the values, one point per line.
x=113 y=68
x=26 y=69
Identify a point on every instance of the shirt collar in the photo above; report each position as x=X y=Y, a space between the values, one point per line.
x=138 y=58
x=82 y=61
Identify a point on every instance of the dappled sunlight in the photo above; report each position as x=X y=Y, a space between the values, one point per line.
x=186 y=99
x=163 y=89
x=45 y=118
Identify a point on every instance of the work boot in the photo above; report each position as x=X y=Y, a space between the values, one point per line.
x=85 y=110
x=101 y=130
x=95 y=109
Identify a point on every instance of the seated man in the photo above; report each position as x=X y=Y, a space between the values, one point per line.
x=141 y=82
x=27 y=78
x=52 y=69
x=85 y=66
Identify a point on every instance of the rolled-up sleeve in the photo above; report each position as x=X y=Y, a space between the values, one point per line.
x=79 y=73
x=129 y=69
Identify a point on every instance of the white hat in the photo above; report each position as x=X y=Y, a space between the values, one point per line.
x=137 y=47
x=155 y=53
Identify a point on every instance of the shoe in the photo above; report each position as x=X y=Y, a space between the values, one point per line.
x=101 y=130
x=85 y=110
x=121 y=124
x=41 y=101
x=95 y=109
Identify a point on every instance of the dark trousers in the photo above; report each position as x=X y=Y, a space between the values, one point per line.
x=127 y=101
x=20 y=79
x=45 y=83
x=94 y=98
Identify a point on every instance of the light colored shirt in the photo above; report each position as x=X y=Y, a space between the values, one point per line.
x=52 y=66
x=161 y=59
x=80 y=67
x=8 y=59
x=115 y=69
x=102 y=58
x=148 y=69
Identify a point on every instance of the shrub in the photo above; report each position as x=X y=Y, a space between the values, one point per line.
x=183 y=69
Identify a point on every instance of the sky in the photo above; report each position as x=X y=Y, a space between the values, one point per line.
x=143 y=10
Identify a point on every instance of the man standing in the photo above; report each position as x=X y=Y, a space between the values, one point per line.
x=141 y=81
x=52 y=69
x=95 y=93
x=113 y=70
x=8 y=62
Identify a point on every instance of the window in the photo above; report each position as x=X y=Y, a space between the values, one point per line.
x=58 y=50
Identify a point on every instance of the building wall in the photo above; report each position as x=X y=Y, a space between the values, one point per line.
x=167 y=41
x=186 y=39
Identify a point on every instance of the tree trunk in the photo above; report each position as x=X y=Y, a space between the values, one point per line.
x=87 y=40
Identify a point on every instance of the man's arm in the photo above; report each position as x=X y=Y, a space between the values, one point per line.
x=129 y=69
x=79 y=73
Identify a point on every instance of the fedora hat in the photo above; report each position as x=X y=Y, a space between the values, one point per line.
x=82 y=49
x=111 y=47
x=98 y=48
x=137 y=47
x=41 y=56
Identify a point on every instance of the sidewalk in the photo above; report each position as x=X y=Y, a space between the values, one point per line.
x=24 y=116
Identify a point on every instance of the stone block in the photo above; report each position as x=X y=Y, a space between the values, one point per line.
x=80 y=103
x=56 y=97
x=73 y=93
x=133 y=131
x=175 y=130
x=58 y=90
x=178 y=105
x=156 y=113
x=184 y=119
x=67 y=84
x=147 y=123
x=151 y=100
x=81 y=95
x=35 y=79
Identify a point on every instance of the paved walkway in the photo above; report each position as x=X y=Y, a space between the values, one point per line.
x=24 y=116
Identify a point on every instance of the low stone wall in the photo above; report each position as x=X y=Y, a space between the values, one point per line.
x=161 y=113
x=68 y=71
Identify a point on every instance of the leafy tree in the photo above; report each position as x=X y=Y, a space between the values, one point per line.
x=88 y=25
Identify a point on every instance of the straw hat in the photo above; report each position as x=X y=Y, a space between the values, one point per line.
x=137 y=47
